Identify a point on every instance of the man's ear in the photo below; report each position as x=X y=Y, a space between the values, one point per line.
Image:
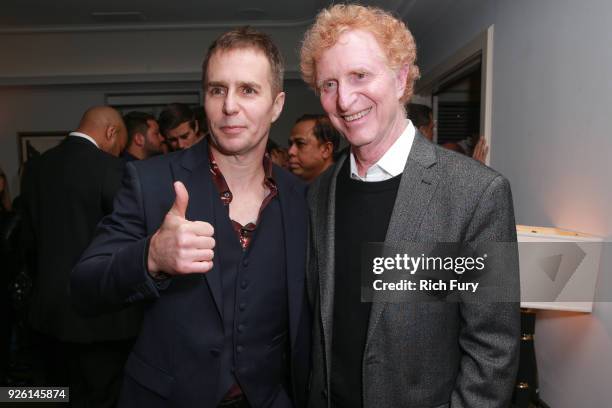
x=402 y=77
x=277 y=106
x=327 y=149
x=111 y=134
x=139 y=139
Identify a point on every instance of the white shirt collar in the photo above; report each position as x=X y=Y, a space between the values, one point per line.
x=392 y=163
x=84 y=136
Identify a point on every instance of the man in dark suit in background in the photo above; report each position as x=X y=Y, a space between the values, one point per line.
x=233 y=332
x=67 y=191
x=397 y=187
x=143 y=137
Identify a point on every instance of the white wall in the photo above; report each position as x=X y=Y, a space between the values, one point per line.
x=552 y=99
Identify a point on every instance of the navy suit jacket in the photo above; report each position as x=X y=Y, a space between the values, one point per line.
x=175 y=360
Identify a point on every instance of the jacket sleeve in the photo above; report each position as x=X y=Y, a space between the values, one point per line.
x=113 y=176
x=490 y=333
x=112 y=271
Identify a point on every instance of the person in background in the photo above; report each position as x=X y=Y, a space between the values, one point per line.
x=179 y=126
x=474 y=146
x=144 y=139
x=5 y=195
x=278 y=154
x=7 y=272
x=165 y=146
x=66 y=192
x=422 y=119
x=312 y=146
x=200 y=116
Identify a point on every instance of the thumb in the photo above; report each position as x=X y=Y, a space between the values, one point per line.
x=182 y=199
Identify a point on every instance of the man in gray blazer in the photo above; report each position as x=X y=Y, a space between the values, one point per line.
x=394 y=186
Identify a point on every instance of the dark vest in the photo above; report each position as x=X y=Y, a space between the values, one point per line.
x=255 y=306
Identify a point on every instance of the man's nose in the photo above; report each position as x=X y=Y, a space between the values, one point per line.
x=230 y=105
x=292 y=149
x=346 y=97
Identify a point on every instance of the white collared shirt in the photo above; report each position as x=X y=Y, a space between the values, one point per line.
x=84 y=136
x=392 y=163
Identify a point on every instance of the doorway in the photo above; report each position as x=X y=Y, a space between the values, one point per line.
x=459 y=91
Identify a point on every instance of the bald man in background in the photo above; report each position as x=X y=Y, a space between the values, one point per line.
x=67 y=191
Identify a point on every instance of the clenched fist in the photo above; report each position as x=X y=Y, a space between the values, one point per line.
x=180 y=246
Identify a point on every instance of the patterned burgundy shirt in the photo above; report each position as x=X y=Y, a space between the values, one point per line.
x=244 y=232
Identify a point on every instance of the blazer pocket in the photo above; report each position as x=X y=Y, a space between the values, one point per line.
x=276 y=340
x=148 y=376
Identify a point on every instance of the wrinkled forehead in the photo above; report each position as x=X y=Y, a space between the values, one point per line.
x=360 y=39
x=246 y=49
x=352 y=51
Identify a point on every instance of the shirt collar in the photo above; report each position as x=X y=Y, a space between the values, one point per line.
x=392 y=163
x=84 y=136
x=221 y=183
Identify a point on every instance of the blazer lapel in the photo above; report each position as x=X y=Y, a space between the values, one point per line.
x=326 y=219
x=294 y=225
x=194 y=171
x=418 y=184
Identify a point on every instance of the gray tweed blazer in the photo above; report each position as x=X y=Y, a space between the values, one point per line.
x=434 y=354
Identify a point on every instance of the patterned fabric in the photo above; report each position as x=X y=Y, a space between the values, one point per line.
x=244 y=232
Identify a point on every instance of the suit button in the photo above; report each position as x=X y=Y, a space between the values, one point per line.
x=242 y=306
x=242 y=370
x=245 y=262
x=215 y=352
x=240 y=328
x=244 y=284
x=239 y=349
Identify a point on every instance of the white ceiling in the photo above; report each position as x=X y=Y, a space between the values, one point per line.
x=37 y=15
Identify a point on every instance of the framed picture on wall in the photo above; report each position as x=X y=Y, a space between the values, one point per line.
x=33 y=144
x=152 y=102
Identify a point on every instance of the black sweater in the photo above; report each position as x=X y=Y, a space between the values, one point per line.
x=363 y=211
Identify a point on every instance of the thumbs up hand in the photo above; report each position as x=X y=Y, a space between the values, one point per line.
x=180 y=246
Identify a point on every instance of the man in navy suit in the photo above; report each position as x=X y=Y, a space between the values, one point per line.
x=212 y=240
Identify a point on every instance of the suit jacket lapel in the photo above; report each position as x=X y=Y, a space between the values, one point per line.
x=194 y=171
x=294 y=225
x=418 y=184
x=326 y=222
